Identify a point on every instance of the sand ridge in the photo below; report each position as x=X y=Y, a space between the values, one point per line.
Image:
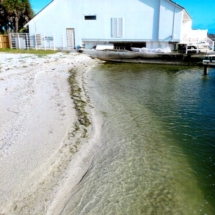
x=45 y=149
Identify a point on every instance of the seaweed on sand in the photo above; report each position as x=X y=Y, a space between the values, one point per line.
x=80 y=104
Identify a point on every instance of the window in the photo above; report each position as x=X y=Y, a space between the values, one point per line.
x=90 y=17
x=117 y=27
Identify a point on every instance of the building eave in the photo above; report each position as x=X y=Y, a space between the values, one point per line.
x=126 y=40
x=38 y=13
x=187 y=14
x=179 y=6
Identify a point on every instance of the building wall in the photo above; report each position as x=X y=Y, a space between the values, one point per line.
x=138 y=19
x=186 y=28
x=50 y=20
x=143 y=20
x=170 y=22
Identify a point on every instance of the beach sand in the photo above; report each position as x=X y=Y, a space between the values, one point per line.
x=49 y=132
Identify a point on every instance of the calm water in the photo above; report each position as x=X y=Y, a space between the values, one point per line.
x=158 y=143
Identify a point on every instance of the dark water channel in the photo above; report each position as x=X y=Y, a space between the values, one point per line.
x=158 y=142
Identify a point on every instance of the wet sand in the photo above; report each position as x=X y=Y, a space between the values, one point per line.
x=48 y=130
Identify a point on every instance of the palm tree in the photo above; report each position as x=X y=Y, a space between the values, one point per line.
x=19 y=12
x=4 y=19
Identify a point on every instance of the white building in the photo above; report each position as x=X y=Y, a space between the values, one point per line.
x=143 y=23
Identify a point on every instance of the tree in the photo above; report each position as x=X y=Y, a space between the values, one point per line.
x=17 y=13
x=3 y=19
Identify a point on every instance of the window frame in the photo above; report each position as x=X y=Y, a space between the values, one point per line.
x=90 y=17
x=117 y=27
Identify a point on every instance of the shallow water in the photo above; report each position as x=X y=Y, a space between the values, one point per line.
x=158 y=142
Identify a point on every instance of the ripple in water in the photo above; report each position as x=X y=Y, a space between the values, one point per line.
x=158 y=143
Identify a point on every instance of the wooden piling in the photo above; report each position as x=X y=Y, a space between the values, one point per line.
x=205 y=70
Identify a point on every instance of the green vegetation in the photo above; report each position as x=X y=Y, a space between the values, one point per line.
x=14 y=14
x=80 y=105
x=139 y=67
x=30 y=51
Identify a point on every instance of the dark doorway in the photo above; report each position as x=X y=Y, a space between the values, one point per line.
x=128 y=45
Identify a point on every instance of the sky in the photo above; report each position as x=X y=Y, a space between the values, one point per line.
x=201 y=11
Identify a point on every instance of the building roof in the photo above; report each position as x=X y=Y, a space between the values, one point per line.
x=181 y=8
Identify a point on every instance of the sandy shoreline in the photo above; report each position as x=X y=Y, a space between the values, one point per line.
x=46 y=145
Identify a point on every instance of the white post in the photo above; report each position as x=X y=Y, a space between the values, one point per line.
x=62 y=43
x=18 y=41
x=54 y=42
x=35 y=37
x=44 y=42
x=173 y=25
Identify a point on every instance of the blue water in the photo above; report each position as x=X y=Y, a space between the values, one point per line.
x=158 y=142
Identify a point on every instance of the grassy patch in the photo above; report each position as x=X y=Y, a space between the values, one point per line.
x=41 y=55
x=30 y=51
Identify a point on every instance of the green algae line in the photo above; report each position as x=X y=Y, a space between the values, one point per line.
x=79 y=103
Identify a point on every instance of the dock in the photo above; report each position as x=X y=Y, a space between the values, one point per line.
x=208 y=62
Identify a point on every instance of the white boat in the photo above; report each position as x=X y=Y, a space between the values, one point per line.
x=134 y=49
x=101 y=47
